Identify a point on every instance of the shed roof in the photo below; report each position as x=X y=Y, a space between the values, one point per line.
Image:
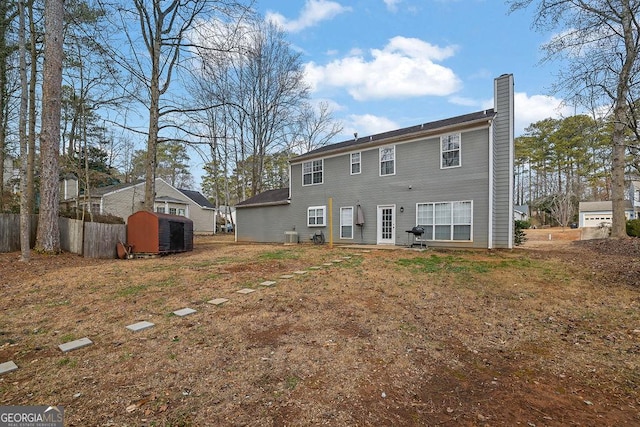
x=266 y=198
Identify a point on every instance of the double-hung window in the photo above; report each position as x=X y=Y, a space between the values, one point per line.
x=346 y=223
x=312 y=172
x=316 y=216
x=387 y=161
x=445 y=220
x=450 y=151
x=355 y=163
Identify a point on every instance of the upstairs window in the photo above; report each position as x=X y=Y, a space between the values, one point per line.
x=450 y=151
x=312 y=172
x=316 y=216
x=355 y=163
x=387 y=161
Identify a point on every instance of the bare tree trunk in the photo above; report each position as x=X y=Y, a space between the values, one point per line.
x=25 y=226
x=31 y=139
x=48 y=239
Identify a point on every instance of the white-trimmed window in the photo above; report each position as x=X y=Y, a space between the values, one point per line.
x=356 y=163
x=387 y=161
x=173 y=211
x=445 y=220
x=346 y=223
x=316 y=216
x=450 y=151
x=312 y=172
x=181 y=212
x=160 y=209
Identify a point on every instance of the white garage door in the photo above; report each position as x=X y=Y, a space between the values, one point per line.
x=596 y=220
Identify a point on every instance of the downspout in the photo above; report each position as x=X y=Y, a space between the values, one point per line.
x=491 y=186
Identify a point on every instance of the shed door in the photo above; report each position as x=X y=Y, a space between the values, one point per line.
x=387 y=225
x=176 y=231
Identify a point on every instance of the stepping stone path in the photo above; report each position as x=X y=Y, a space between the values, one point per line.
x=184 y=312
x=74 y=345
x=10 y=366
x=268 y=283
x=140 y=326
x=7 y=367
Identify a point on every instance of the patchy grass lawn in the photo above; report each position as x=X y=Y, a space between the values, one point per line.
x=530 y=336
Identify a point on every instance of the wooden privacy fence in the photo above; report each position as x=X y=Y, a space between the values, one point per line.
x=10 y=232
x=93 y=240
x=100 y=240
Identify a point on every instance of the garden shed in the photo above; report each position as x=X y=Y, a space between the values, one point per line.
x=157 y=233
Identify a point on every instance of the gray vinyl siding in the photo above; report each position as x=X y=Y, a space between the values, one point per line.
x=263 y=224
x=418 y=167
x=503 y=167
x=127 y=201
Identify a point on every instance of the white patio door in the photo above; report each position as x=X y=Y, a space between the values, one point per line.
x=387 y=225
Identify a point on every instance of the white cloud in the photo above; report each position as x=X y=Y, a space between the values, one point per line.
x=367 y=124
x=392 y=5
x=404 y=68
x=313 y=12
x=465 y=102
x=531 y=109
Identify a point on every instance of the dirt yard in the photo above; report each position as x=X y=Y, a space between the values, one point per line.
x=545 y=335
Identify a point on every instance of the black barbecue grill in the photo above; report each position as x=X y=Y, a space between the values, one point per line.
x=415 y=232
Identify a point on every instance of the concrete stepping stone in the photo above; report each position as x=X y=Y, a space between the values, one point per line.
x=300 y=272
x=7 y=367
x=287 y=276
x=327 y=264
x=218 y=301
x=140 y=326
x=346 y=257
x=184 y=312
x=268 y=283
x=74 y=345
x=246 y=291
x=315 y=267
x=336 y=261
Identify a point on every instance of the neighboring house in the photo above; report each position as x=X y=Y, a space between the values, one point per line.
x=634 y=196
x=521 y=213
x=452 y=177
x=596 y=214
x=11 y=175
x=123 y=200
x=228 y=215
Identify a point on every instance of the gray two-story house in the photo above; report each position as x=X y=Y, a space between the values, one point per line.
x=452 y=177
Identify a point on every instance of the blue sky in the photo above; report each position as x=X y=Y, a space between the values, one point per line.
x=387 y=64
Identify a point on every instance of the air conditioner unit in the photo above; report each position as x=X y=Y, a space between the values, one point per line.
x=290 y=237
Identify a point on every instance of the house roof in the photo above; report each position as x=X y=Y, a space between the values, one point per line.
x=600 y=206
x=266 y=198
x=401 y=134
x=197 y=197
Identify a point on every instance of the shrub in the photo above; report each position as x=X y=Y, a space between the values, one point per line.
x=633 y=227
x=519 y=236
